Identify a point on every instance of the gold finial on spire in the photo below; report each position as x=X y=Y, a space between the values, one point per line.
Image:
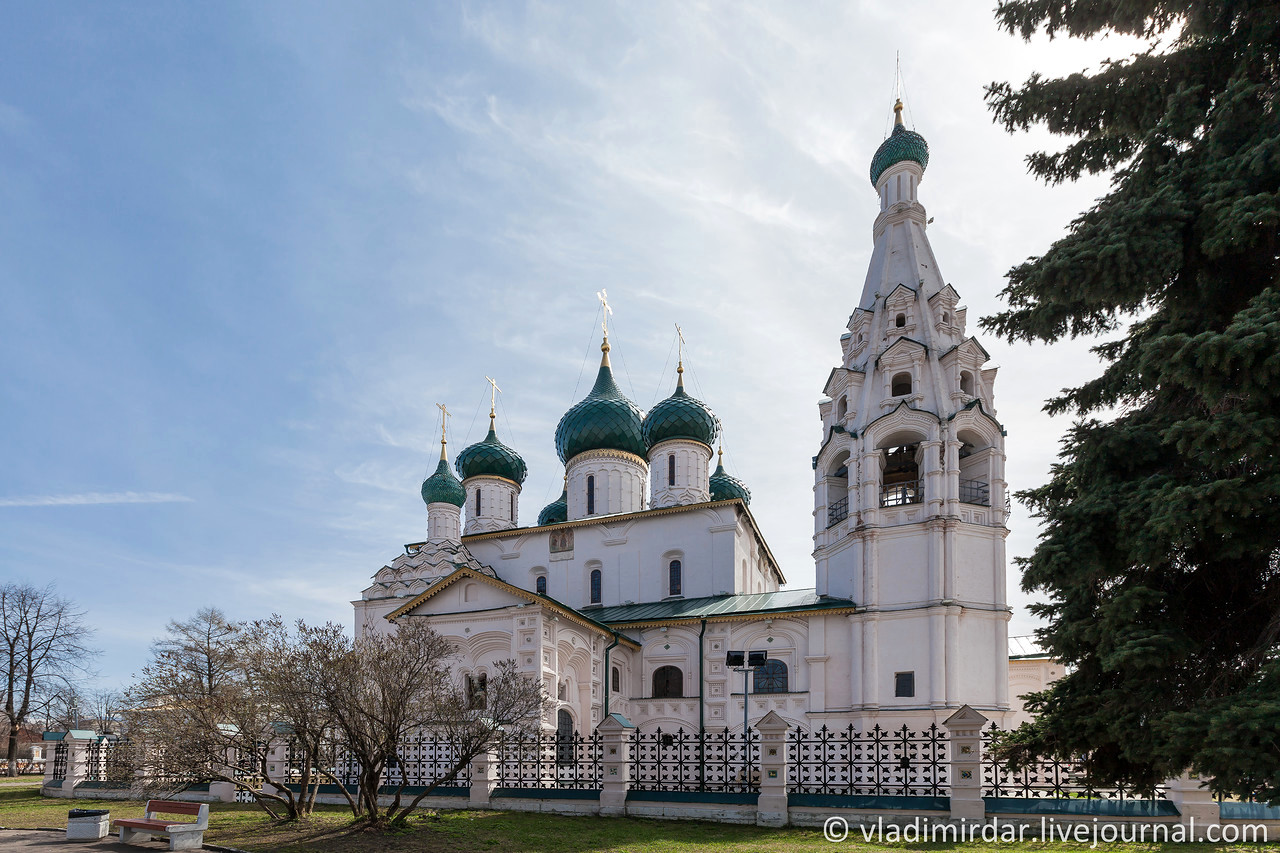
x=444 y=419
x=897 y=113
x=607 y=312
x=494 y=390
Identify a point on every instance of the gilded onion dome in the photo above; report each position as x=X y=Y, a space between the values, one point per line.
x=557 y=511
x=901 y=145
x=603 y=420
x=442 y=486
x=491 y=458
x=724 y=487
x=680 y=416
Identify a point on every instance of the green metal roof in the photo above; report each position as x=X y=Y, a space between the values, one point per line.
x=783 y=601
x=680 y=416
x=724 y=486
x=443 y=487
x=491 y=457
x=604 y=420
x=901 y=145
x=556 y=512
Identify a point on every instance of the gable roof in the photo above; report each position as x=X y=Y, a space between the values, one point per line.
x=547 y=601
x=902 y=341
x=723 y=607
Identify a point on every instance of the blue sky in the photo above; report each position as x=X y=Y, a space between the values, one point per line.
x=245 y=247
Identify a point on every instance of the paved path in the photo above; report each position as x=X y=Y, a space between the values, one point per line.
x=39 y=841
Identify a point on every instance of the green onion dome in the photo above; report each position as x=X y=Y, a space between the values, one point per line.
x=491 y=458
x=724 y=487
x=603 y=420
x=680 y=416
x=442 y=486
x=901 y=145
x=557 y=511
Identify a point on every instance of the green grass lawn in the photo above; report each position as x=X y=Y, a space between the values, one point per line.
x=331 y=831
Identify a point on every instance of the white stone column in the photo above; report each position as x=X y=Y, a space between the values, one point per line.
x=1197 y=808
x=771 y=807
x=615 y=733
x=964 y=728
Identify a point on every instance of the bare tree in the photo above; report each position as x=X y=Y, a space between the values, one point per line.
x=103 y=708
x=216 y=699
x=45 y=643
x=383 y=688
x=202 y=650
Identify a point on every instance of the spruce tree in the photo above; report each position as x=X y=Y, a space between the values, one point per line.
x=1159 y=563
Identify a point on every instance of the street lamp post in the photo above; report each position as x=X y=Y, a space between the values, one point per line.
x=745 y=662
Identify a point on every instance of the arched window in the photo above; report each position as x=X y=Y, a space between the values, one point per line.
x=673 y=578
x=671 y=469
x=900 y=384
x=513 y=506
x=469 y=592
x=770 y=678
x=541 y=584
x=595 y=586
x=477 y=500
x=668 y=683
x=842 y=409
x=564 y=737
x=946 y=318
x=477 y=688
x=591 y=494
x=901 y=321
x=966 y=382
x=616 y=680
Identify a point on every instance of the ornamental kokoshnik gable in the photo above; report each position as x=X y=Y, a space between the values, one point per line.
x=632 y=586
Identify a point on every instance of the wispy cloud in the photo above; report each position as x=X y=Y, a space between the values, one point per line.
x=97 y=498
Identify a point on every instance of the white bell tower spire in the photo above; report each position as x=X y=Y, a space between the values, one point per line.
x=909 y=495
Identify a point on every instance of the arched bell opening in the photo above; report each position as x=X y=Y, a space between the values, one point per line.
x=900 y=460
x=836 y=483
x=976 y=457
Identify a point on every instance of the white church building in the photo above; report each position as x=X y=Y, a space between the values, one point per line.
x=633 y=586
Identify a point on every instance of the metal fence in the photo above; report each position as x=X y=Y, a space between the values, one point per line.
x=975 y=492
x=420 y=760
x=701 y=761
x=1059 y=779
x=877 y=762
x=838 y=512
x=60 y=762
x=550 y=760
x=110 y=763
x=901 y=494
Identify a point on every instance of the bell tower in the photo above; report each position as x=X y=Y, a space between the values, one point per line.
x=909 y=489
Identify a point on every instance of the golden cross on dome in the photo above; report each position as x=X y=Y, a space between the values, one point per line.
x=603 y=296
x=494 y=391
x=444 y=419
x=679 y=349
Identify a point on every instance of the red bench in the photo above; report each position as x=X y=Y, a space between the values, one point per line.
x=182 y=834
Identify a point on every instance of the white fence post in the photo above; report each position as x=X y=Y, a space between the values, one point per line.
x=77 y=760
x=1197 y=808
x=484 y=777
x=771 y=807
x=615 y=763
x=965 y=730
